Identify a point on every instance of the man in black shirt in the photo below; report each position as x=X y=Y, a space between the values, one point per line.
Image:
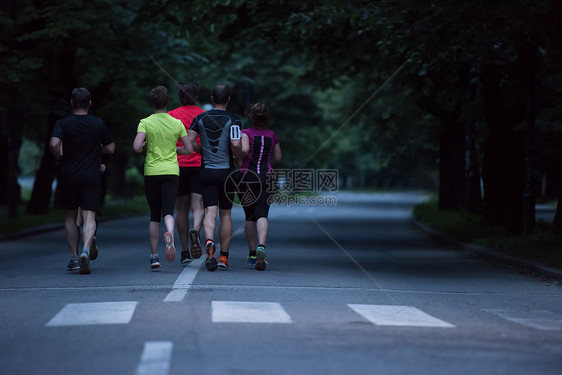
x=85 y=138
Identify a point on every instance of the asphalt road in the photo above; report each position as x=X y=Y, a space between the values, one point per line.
x=351 y=288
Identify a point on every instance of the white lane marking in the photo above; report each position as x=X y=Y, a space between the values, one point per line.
x=176 y=295
x=75 y=314
x=539 y=319
x=184 y=281
x=392 y=315
x=248 y=312
x=155 y=358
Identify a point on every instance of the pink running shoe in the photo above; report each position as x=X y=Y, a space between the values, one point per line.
x=170 y=248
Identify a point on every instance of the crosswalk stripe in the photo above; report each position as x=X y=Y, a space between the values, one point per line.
x=539 y=319
x=121 y=312
x=393 y=315
x=248 y=312
x=94 y=313
x=155 y=358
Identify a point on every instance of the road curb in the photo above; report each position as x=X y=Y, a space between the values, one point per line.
x=53 y=227
x=485 y=252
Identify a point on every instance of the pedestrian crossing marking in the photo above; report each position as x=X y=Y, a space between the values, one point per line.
x=100 y=313
x=248 y=312
x=155 y=358
x=539 y=319
x=76 y=314
x=393 y=315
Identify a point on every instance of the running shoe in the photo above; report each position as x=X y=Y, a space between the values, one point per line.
x=94 y=249
x=185 y=257
x=196 y=250
x=170 y=247
x=252 y=260
x=261 y=263
x=84 y=262
x=223 y=263
x=72 y=265
x=211 y=261
x=154 y=263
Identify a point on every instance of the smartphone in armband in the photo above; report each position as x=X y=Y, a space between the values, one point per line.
x=234 y=132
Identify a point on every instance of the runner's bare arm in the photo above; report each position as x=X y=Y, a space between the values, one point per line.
x=187 y=148
x=192 y=135
x=55 y=145
x=277 y=152
x=240 y=147
x=138 y=143
x=108 y=149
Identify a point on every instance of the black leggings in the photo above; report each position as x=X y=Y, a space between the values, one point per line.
x=161 y=194
x=254 y=195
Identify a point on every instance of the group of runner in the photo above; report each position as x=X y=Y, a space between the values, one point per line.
x=194 y=160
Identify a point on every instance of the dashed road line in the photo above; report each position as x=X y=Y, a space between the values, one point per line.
x=184 y=281
x=155 y=359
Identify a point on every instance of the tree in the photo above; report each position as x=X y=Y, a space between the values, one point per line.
x=454 y=77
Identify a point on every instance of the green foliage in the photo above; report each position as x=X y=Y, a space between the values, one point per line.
x=460 y=225
x=30 y=157
x=22 y=222
x=543 y=245
x=314 y=63
x=112 y=208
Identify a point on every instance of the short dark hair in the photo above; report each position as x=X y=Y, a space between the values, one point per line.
x=159 y=97
x=220 y=94
x=258 y=114
x=80 y=98
x=188 y=93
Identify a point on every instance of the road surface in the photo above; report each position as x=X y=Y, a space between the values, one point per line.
x=351 y=288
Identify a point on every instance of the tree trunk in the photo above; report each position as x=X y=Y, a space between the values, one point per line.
x=4 y=157
x=14 y=189
x=10 y=142
x=503 y=169
x=60 y=88
x=11 y=136
x=473 y=190
x=451 y=165
x=115 y=176
x=557 y=222
x=42 y=186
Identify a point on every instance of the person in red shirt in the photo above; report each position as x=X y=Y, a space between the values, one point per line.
x=189 y=190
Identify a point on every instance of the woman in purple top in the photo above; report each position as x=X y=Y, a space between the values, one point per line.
x=259 y=145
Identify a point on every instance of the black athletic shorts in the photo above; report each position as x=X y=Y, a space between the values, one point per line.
x=160 y=194
x=254 y=195
x=218 y=185
x=83 y=194
x=190 y=181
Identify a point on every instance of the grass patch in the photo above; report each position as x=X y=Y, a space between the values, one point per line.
x=112 y=207
x=542 y=246
x=132 y=206
x=25 y=221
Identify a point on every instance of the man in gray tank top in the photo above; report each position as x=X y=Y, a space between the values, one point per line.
x=217 y=150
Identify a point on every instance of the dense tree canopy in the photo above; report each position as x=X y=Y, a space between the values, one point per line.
x=391 y=93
